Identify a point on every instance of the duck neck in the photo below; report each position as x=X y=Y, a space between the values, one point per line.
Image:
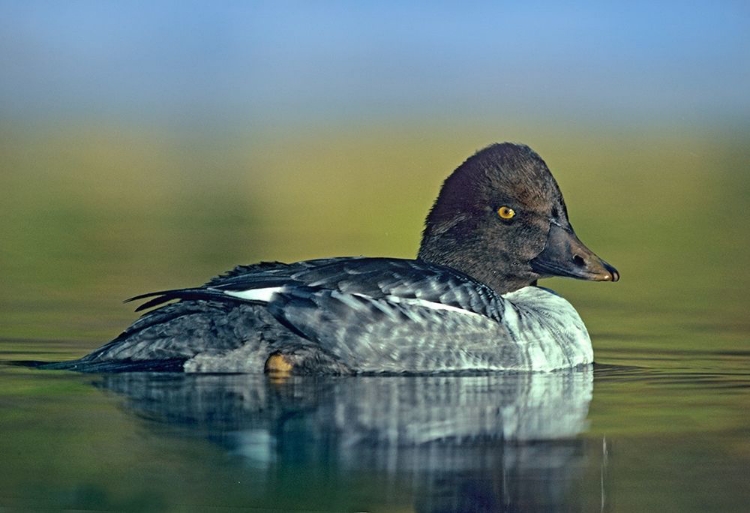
x=501 y=278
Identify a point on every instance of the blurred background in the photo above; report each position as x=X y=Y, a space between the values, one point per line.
x=153 y=144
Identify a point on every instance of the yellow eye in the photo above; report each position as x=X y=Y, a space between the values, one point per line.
x=506 y=212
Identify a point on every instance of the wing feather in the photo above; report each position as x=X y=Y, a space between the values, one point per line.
x=375 y=278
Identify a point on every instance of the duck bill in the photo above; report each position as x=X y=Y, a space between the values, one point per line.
x=565 y=255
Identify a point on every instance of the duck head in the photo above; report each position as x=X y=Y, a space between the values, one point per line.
x=501 y=218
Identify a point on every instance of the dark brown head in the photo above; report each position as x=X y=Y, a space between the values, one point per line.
x=501 y=218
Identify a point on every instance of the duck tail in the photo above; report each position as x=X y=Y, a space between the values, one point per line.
x=164 y=296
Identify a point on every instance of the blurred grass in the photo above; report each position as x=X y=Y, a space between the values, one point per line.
x=94 y=214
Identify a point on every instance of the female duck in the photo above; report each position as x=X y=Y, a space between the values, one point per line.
x=469 y=302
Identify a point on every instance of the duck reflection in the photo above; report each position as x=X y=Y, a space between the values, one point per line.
x=453 y=443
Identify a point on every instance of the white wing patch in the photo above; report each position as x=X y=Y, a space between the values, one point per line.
x=262 y=295
x=429 y=304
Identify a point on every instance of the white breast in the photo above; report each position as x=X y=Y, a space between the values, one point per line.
x=548 y=328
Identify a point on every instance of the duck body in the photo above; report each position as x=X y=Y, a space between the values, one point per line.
x=350 y=315
x=468 y=303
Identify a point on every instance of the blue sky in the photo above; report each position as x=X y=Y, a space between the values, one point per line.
x=236 y=62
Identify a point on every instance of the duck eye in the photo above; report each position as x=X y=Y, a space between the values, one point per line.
x=506 y=213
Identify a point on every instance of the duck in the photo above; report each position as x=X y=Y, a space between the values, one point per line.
x=469 y=303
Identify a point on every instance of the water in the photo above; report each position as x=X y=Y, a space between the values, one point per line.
x=613 y=439
x=660 y=424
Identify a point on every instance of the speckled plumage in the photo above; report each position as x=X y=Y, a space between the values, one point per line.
x=468 y=303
